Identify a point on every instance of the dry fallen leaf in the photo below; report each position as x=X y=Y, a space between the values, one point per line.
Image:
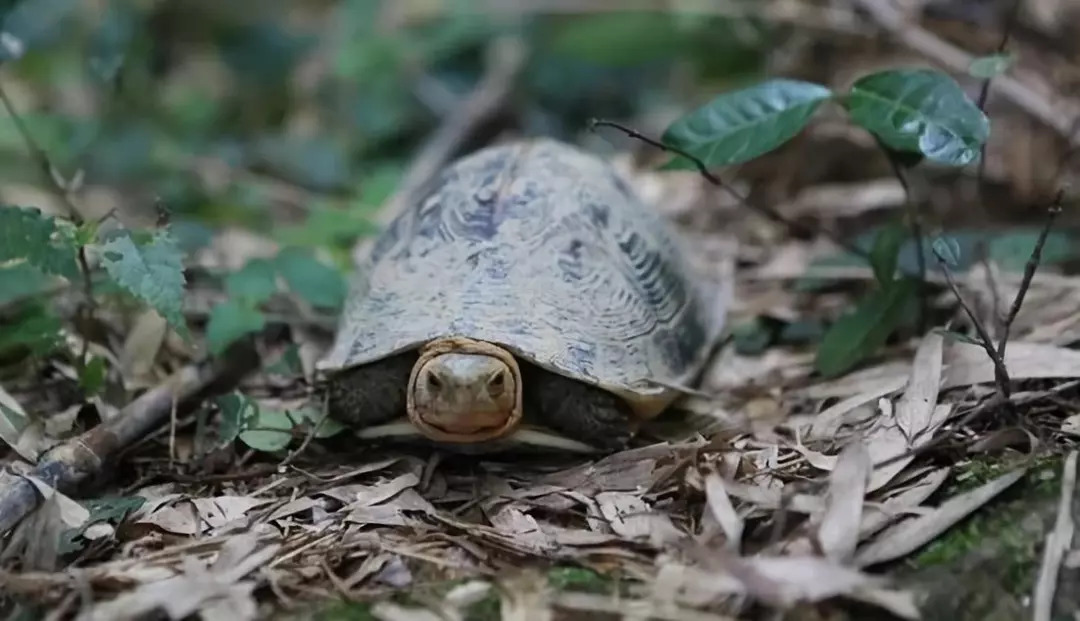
x=838 y=532
x=141 y=348
x=913 y=533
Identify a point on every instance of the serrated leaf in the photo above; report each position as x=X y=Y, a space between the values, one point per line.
x=859 y=333
x=948 y=250
x=236 y=410
x=152 y=271
x=318 y=283
x=991 y=66
x=886 y=252
x=254 y=283
x=26 y=233
x=920 y=110
x=741 y=125
x=31 y=23
x=231 y=321
x=270 y=431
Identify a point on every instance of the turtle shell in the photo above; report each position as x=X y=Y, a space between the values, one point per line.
x=541 y=248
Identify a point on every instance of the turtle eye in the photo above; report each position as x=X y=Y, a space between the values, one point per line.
x=433 y=382
x=497 y=383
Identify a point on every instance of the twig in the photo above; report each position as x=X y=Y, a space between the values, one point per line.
x=984 y=91
x=1057 y=114
x=1001 y=373
x=997 y=354
x=80 y=459
x=62 y=188
x=1029 y=270
x=916 y=231
x=715 y=180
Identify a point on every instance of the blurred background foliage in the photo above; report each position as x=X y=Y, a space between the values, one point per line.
x=296 y=118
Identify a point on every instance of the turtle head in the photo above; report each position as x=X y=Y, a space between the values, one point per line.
x=464 y=391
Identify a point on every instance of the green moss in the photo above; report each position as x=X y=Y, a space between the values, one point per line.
x=1008 y=523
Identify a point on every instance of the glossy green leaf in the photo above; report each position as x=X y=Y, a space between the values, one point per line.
x=231 y=321
x=741 y=125
x=22 y=281
x=35 y=328
x=253 y=283
x=318 y=283
x=151 y=270
x=26 y=233
x=922 y=111
x=861 y=332
x=886 y=252
x=948 y=250
x=991 y=66
x=271 y=430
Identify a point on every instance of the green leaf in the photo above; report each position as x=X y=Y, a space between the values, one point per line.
x=254 y=283
x=26 y=233
x=236 y=410
x=36 y=328
x=991 y=66
x=886 y=252
x=92 y=376
x=231 y=321
x=316 y=282
x=22 y=280
x=288 y=364
x=858 y=334
x=948 y=250
x=327 y=428
x=270 y=431
x=741 y=125
x=619 y=39
x=153 y=271
x=32 y=23
x=920 y=110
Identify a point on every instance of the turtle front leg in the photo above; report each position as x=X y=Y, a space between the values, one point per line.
x=578 y=410
x=371 y=394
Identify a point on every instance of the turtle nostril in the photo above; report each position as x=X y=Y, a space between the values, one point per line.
x=497 y=384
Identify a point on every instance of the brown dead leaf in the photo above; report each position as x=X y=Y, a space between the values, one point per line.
x=358 y=495
x=632 y=519
x=24 y=434
x=838 y=532
x=513 y=522
x=36 y=539
x=721 y=510
x=220 y=510
x=1058 y=543
x=878 y=516
x=913 y=533
x=217 y=591
x=141 y=348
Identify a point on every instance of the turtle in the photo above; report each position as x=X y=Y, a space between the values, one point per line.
x=526 y=295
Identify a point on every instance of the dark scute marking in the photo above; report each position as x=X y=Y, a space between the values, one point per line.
x=598 y=214
x=570 y=261
x=620 y=185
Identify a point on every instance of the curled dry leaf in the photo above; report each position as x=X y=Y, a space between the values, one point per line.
x=1057 y=545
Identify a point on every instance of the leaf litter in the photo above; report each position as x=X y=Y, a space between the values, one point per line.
x=785 y=493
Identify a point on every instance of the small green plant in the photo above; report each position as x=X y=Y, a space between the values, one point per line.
x=914 y=114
